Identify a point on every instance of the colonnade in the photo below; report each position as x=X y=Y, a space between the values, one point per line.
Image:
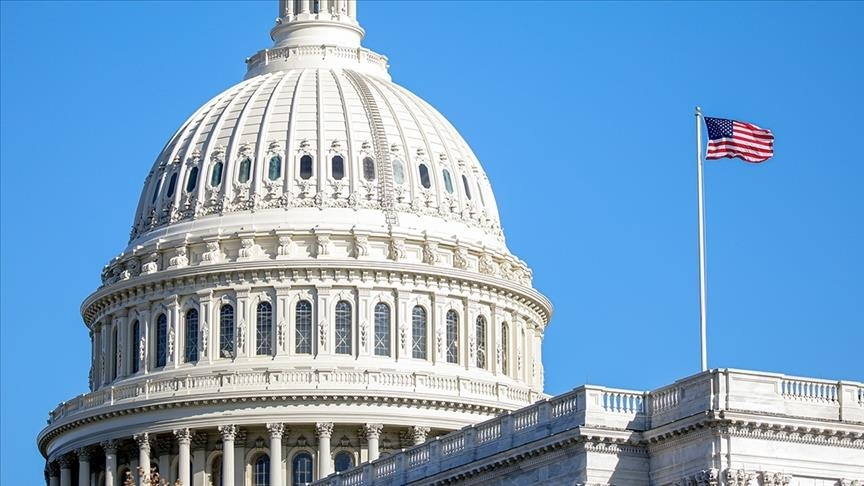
x=186 y=455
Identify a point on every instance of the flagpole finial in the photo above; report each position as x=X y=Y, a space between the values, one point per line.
x=698 y=110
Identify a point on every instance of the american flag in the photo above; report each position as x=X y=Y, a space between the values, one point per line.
x=732 y=138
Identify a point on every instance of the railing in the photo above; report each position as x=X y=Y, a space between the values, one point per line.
x=275 y=380
x=622 y=409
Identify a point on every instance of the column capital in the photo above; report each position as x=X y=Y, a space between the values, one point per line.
x=53 y=468
x=143 y=441
x=110 y=446
x=418 y=433
x=199 y=440
x=184 y=436
x=67 y=460
x=84 y=454
x=276 y=430
x=228 y=432
x=324 y=429
x=372 y=431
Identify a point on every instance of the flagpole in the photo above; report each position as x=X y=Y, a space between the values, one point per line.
x=703 y=314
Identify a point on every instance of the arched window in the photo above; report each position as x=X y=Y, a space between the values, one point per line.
x=306 y=167
x=382 y=329
x=245 y=170
x=343 y=461
x=448 y=182
x=337 y=167
x=343 y=327
x=216 y=174
x=191 y=335
x=467 y=187
x=418 y=332
x=368 y=169
x=215 y=471
x=161 y=340
x=192 y=180
x=274 y=168
x=136 y=338
x=303 y=327
x=226 y=331
x=424 y=176
x=264 y=329
x=156 y=191
x=452 y=337
x=398 y=172
x=261 y=472
x=505 y=346
x=302 y=468
x=480 y=331
x=172 y=185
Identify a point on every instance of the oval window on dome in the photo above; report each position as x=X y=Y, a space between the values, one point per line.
x=216 y=175
x=448 y=182
x=306 y=167
x=398 y=172
x=467 y=187
x=245 y=170
x=192 y=181
x=424 y=176
x=156 y=191
x=172 y=185
x=274 y=169
x=337 y=167
x=368 y=169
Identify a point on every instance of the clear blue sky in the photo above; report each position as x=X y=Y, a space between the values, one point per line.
x=582 y=115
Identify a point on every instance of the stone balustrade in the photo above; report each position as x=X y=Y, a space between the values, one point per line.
x=723 y=389
x=393 y=383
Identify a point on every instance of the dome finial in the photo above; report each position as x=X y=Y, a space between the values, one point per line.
x=317 y=22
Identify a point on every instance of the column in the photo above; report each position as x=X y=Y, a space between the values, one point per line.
x=66 y=470
x=418 y=434
x=276 y=431
x=240 y=457
x=110 y=447
x=83 y=466
x=175 y=351
x=325 y=463
x=143 y=441
x=184 y=441
x=228 y=432
x=53 y=473
x=373 y=433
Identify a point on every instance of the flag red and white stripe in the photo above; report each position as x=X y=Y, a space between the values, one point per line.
x=732 y=138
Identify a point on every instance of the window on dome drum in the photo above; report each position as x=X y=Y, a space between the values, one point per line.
x=156 y=191
x=172 y=185
x=467 y=187
x=264 y=329
x=216 y=174
x=505 y=354
x=245 y=170
x=306 y=167
x=337 y=167
x=480 y=335
x=226 y=331
x=368 y=169
x=303 y=327
x=418 y=332
x=136 y=338
x=316 y=6
x=302 y=468
x=161 y=340
x=343 y=461
x=382 y=329
x=398 y=172
x=448 y=182
x=274 y=168
x=343 y=327
x=261 y=473
x=424 y=176
x=191 y=335
x=215 y=471
x=192 y=180
x=452 y=337
x=115 y=340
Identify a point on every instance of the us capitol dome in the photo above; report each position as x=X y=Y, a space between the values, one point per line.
x=316 y=276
